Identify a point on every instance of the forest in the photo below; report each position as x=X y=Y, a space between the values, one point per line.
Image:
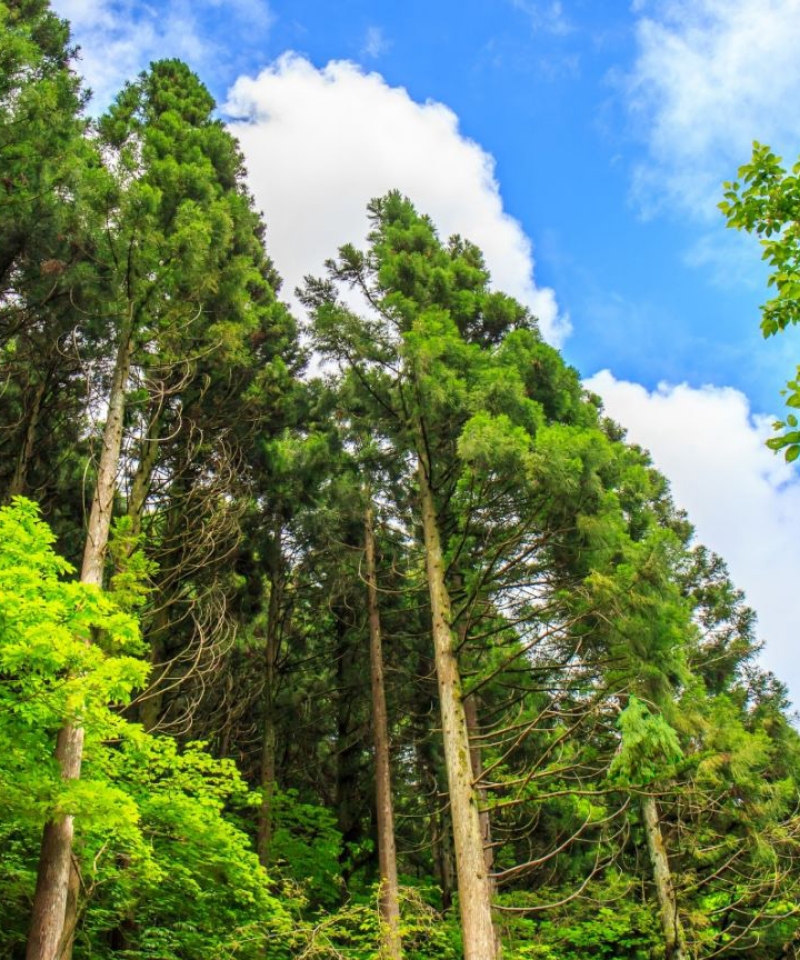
x=361 y=634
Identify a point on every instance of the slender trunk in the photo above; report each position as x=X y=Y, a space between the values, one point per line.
x=351 y=732
x=269 y=737
x=140 y=488
x=474 y=889
x=671 y=926
x=429 y=776
x=54 y=911
x=19 y=481
x=443 y=857
x=391 y=947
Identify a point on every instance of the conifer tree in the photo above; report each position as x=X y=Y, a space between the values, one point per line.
x=183 y=277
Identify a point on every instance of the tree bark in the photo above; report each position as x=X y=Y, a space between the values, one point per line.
x=47 y=939
x=269 y=738
x=473 y=729
x=19 y=481
x=54 y=912
x=391 y=947
x=671 y=926
x=351 y=737
x=94 y=553
x=148 y=457
x=474 y=888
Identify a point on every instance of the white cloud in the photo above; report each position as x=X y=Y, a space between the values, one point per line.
x=320 y=143
x=710 y=77
x=119 y=38
x=743 y=500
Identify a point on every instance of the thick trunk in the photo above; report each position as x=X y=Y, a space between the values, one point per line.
x=671 y=926
x=47 y=939
x=19 y=481
x=471 y=713
x=476 y=754
x=71 y=912
x=474 y=888
x=391 y=947
x=54 y=912
x=103 y=501
x=269 y=738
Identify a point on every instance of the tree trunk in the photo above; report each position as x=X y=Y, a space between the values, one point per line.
x=19 y=481
x=430 y=775
x=269 y=739
x=391 y=948
x=474 y=889
x=351 y=733
x=671 y=926
x=445 y=867
x=475 y=753
x=103 y=501
x=47 y=939
x=54 y=912
x=148 y=457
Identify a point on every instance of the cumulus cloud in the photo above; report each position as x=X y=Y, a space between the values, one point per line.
x=710 y=77
x=743 y=500
x=320 y=143
x=119 y=38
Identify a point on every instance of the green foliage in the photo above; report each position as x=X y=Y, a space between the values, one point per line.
x=188 y=880
x=129 y=584
x=767 y=203
x=305 y=850
x=353 y=931
x=619 y=929
x=158 y=852
x=64 y=653
x=649 y=746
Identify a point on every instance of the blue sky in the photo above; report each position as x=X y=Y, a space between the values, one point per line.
x=582 y=145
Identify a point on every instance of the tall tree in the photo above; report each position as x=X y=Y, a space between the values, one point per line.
x=45 y=219
x=387 y=853
x=183 y=276
x=461 y=383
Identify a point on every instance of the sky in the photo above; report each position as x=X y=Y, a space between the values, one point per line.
x=582 y=145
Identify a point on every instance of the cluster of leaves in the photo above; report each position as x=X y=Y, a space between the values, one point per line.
x=163 y=859
x=765 y=200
